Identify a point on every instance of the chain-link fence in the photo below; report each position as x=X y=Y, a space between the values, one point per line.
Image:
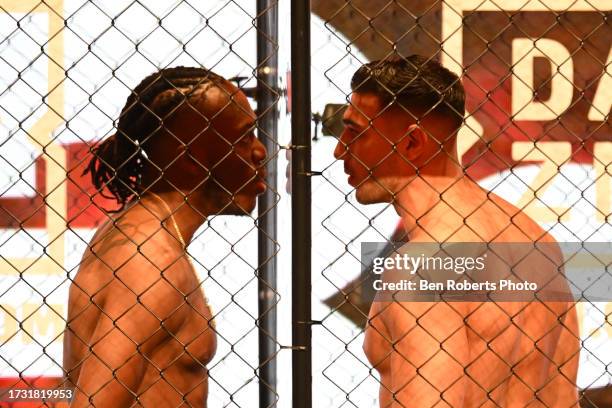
x=536 y=133
x=168 y=301
x=149 y=274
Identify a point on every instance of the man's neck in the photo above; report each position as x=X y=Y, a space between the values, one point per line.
x=430 y=206
x=188 y=215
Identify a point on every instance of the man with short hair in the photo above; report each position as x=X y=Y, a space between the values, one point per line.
x=139 y=330
x=399 y=146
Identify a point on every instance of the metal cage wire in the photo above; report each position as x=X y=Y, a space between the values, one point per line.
x=65 y=67
x=536 y=132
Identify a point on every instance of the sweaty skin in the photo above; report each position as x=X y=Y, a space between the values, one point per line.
x=139 y=331
x=460 y=354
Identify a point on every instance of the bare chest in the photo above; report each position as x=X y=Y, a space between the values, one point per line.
x=194 y=344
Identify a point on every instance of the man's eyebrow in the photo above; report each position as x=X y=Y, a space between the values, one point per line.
x=250 y=125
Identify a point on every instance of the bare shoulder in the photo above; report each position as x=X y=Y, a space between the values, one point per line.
x=132 y=260
x=512 y=224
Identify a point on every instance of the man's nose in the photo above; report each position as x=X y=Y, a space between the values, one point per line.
x=340 y=149
x=259 y=153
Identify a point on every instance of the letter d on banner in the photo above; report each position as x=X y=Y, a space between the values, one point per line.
x=524 y=52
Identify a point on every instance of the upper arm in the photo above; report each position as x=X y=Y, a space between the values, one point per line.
x=430 y=353
x=137 y=314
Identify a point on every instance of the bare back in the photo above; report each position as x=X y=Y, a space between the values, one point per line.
x=474 y=354
x=136 y=306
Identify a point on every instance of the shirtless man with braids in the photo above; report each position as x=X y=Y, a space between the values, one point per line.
x=399 y=146
x=139 y=330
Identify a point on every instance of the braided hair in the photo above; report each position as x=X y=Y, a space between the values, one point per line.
x=117 y=163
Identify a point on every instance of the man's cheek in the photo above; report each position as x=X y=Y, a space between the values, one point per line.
x=233 y=173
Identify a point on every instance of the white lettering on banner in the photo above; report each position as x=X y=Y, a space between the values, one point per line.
x=551 y=155
x=524 y=53
x=602 y=101
x=40 y=135
x=31 y=322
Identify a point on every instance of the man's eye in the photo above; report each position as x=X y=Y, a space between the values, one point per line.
x=246 y=139
x=248 y=136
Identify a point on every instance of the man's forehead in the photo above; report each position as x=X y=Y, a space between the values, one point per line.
x=219 y=108
x=363 y=108
x=224 y=101
x=211 y=111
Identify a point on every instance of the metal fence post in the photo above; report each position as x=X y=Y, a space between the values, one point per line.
x=267 y=98
x=301 y=204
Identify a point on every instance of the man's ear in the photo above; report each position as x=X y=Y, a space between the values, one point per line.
x=416 y=142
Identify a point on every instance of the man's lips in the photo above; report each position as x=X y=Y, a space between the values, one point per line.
x=260 y=187
x=260 y=184
x=348 y=173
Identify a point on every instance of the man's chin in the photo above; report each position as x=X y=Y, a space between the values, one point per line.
x=372 y=193
x=240 y=205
